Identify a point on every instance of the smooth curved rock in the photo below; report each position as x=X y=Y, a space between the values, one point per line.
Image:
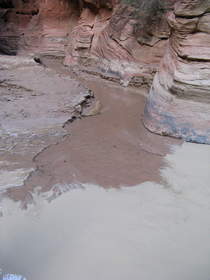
x=179 y=100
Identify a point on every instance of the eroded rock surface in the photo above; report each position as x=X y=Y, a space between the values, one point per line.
x=104 y=41
x=35 y=26
x=33 y=110
x=179 y=100
x=95 y=34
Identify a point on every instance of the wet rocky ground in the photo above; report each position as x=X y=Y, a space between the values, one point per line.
x=35 y=103
x=99 y=197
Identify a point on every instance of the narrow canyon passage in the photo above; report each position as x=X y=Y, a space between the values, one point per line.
x=112 y=148
x=101 y=104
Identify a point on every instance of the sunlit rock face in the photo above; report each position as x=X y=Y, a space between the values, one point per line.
x=179 y=100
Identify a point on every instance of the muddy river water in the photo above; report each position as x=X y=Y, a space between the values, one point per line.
x=99 y=198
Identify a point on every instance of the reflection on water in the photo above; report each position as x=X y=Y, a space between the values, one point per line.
x=148 y=231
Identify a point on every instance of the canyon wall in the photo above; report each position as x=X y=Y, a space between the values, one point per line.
x=15 y=17
x=39 y=26
x=98 y=36
x=95 y=34
x=104 y=41
x=179 y=100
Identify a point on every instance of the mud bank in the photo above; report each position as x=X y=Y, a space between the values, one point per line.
x=33 y=110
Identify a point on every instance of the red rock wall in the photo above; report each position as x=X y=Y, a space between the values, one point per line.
x=104 y=40
x=95 y=34
x=82 y=29
x=108 y=32
x=179 y=100
x=14 y=19
x=36 y=26
x=47 y=32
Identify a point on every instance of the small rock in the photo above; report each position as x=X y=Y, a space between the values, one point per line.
x=93 y=110
x=78 y=109
x=124 y=82
x=37 y=60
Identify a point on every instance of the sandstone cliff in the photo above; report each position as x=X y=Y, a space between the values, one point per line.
x=95 y=34
x=179 y=100
x=98 y=36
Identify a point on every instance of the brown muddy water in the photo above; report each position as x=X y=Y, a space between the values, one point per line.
x=101 y=198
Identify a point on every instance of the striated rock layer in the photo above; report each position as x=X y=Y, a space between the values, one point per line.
x=35 y=26
x=104 y=40
x=179 y=100
x=95 y=34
